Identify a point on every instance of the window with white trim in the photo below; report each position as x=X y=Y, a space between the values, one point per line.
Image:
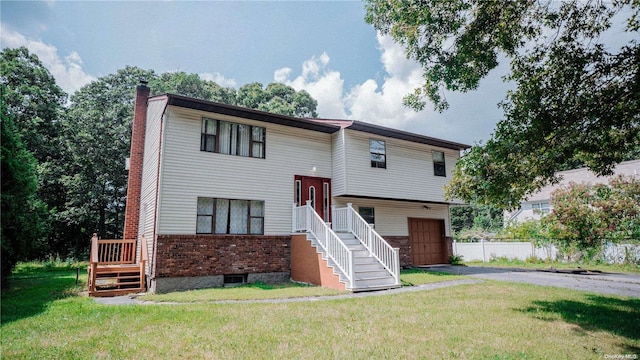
x=229 y=216
x=541 y=208
x=378 y=151
x=231 y=138
x=439 y=166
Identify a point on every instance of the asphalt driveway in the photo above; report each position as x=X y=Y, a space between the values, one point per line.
x=603 y=283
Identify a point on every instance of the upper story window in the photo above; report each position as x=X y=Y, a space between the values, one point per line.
x=229 y=216
x=439 y=167
x=378 y=150
x=230 y=138
x=540 y=207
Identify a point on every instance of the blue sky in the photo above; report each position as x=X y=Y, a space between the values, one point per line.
x=325 y=48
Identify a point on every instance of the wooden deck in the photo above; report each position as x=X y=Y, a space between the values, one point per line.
x=113 y=269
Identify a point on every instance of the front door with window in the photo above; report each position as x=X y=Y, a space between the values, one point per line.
x=317 y=190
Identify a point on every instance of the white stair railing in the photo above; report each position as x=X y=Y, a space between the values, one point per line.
x=305 y=219
x=347 y=219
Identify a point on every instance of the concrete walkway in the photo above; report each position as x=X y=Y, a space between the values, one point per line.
x=132 y=300
x=602 y=283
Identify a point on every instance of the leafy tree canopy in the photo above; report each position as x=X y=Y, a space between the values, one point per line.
x=277 y=98
x=22 y=224
x=33 y=99
x=97 y=135
x=192 y=85
x=575 y=100
x=584 y=215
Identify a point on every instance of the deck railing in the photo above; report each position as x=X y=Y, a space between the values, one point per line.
x=306 y=219
x=116 y=252
x=348 y=219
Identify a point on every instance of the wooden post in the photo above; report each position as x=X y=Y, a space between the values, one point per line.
x=93 y=263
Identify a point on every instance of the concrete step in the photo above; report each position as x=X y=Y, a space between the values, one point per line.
x=371 y=274
x=374 y=288
x=350 y=242
x=369 y=267
x=383 y=282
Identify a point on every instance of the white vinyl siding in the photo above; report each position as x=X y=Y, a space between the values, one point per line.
x=392 y=216
x=338 y=181
x=409 y=174
x=150 y=172
x=189 y=173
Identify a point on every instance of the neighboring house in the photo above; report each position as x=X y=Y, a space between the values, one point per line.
x=221 y=194
x=539 y=204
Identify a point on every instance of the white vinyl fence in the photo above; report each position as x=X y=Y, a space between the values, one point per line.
x=487 y=250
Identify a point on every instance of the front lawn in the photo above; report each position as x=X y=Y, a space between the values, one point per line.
x=44 y=317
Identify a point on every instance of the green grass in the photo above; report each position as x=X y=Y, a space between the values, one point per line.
x=411 y=277
x=44 y=317
x=540 y=264
x=261 y=291
x=256 y=291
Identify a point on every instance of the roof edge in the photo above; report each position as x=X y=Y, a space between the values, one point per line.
x=252 y=114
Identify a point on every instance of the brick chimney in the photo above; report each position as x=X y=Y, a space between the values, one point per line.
x=134 y=186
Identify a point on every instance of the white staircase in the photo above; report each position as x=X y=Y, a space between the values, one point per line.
x=358 y=255
x=368 y=273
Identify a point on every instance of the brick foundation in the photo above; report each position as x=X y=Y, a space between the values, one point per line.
x=307 y=265
x=404 y=244
x=209 y=255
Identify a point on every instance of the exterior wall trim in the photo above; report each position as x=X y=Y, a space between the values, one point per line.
x=395 y=199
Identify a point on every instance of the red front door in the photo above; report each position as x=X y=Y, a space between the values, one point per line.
x=317 y=190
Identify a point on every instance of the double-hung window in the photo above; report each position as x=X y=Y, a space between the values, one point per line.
x=378 y=151
x=541 y=208
x=439 y=167
x=231 y=138
x=230 y=216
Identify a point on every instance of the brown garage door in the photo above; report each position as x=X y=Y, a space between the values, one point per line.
x=427 y=241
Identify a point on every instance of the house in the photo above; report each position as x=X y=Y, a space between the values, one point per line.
x=223 y=194
x=539 y=203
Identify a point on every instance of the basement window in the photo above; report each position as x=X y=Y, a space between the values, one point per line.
x=235 y=279
x=368 y=214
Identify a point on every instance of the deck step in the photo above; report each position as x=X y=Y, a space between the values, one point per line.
x=115 y=292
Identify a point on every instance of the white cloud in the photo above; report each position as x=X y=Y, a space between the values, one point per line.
x=282 y=75
x=218 y=79
x=470 y=118
x=369 y=101
x=324 y=85
x=67 y=71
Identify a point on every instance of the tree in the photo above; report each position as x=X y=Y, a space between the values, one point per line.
x=585 y=215
x=22 y=213
x=465 y=217
x=277 y=98
x=35 y=103
x=97 y=136
x=192 y=85
x=575 y=100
